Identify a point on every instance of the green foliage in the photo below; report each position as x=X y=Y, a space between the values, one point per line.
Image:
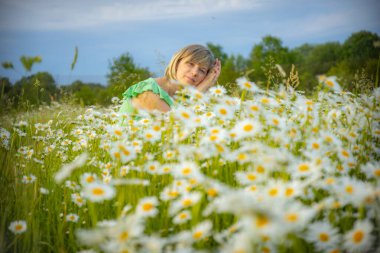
x=84 y=93
x=75 y=59
x=7 y=65
x=28 y=62
x=124 y=73
x=34 y=90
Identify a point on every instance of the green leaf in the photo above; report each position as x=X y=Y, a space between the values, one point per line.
x=7 y=65
x=75 y=59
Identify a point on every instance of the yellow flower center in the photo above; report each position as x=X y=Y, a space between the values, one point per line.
x=212 y=192
x=358 y=236
x=292 y=217
x=303 y=167
x=262 y=221
x=147 y=207
x=248 y=128
x=324 y=237
x=123 y=236
x=197 y=234
x=18 y=227
x=98 y=191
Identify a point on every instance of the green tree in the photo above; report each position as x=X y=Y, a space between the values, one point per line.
x=85 y=93
x=233 y=67
x=123 y=74
x=360 y=57
x=265 y=55
x=218 y=52
x=35 y=89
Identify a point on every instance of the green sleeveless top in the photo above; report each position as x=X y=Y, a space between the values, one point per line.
x=147 y=85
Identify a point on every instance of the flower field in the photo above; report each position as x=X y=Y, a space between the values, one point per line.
x=271 y=171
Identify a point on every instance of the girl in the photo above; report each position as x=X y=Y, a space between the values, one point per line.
x=192 y=65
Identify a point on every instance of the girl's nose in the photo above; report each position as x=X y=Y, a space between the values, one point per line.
x=194 y=71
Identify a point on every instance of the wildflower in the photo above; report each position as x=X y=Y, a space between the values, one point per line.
x=202 y=230
x=246 y=178
x=72 y=217
x=353 y=191
x=115 y=131
x=323 y=235
x=88 y=178
x=244 y=84
x=246 y=128
x=359 y=238
x=330 y=82
x=170 y=193
x=187 y=200
x=122 y=152
x=147 y=207
x=28 y=179
x=217 y=91
x=296 y=217
x=182 y=217
x=67 y=169
x=44 y=191
x=152 y=167
x=224 y=111
x=372 y=170
x=187 y=169
x=78 y=199
x=18 y=227
x=97 y=192
x=151 y=135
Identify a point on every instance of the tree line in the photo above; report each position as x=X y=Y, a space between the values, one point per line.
x=355 y=62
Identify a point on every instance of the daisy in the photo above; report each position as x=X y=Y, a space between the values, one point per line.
x=246 y=178
x=72 y=217
x=98 y=192
x=115 y=131
x=18 y=227
x=185 y=201
x=295 y=217
x=224 y=111
x=182 y=217
x=147 y=207
x=323 y=235
x=330 y=82
x=78 y=199
x=88 y=178
x=246 y=128
x=359 y=238
x=244 y=84
x=170 y=192
x=202 y=230
x=187 y=169
x=122 y=152
x=372 y=170
x=151 y=135
x=152 y=167
x=217 y=91
x=28 y=179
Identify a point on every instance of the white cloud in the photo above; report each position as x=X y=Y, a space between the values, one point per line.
x=76 y=14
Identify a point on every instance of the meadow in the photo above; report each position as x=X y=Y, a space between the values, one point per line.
x=266 y=171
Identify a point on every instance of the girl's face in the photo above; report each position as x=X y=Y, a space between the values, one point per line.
x=190 y=73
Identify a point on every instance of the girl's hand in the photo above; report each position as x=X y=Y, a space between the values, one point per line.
x=211 y=77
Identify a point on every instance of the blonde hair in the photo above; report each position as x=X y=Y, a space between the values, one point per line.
x=193 y=53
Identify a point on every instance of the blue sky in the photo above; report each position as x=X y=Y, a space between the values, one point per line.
x=152 y=30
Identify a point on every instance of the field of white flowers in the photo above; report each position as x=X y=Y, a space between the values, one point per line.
x=271 y=171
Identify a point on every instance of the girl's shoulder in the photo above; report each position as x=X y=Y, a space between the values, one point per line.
x=150 y=84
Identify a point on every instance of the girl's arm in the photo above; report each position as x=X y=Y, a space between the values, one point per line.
x=150 y=101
